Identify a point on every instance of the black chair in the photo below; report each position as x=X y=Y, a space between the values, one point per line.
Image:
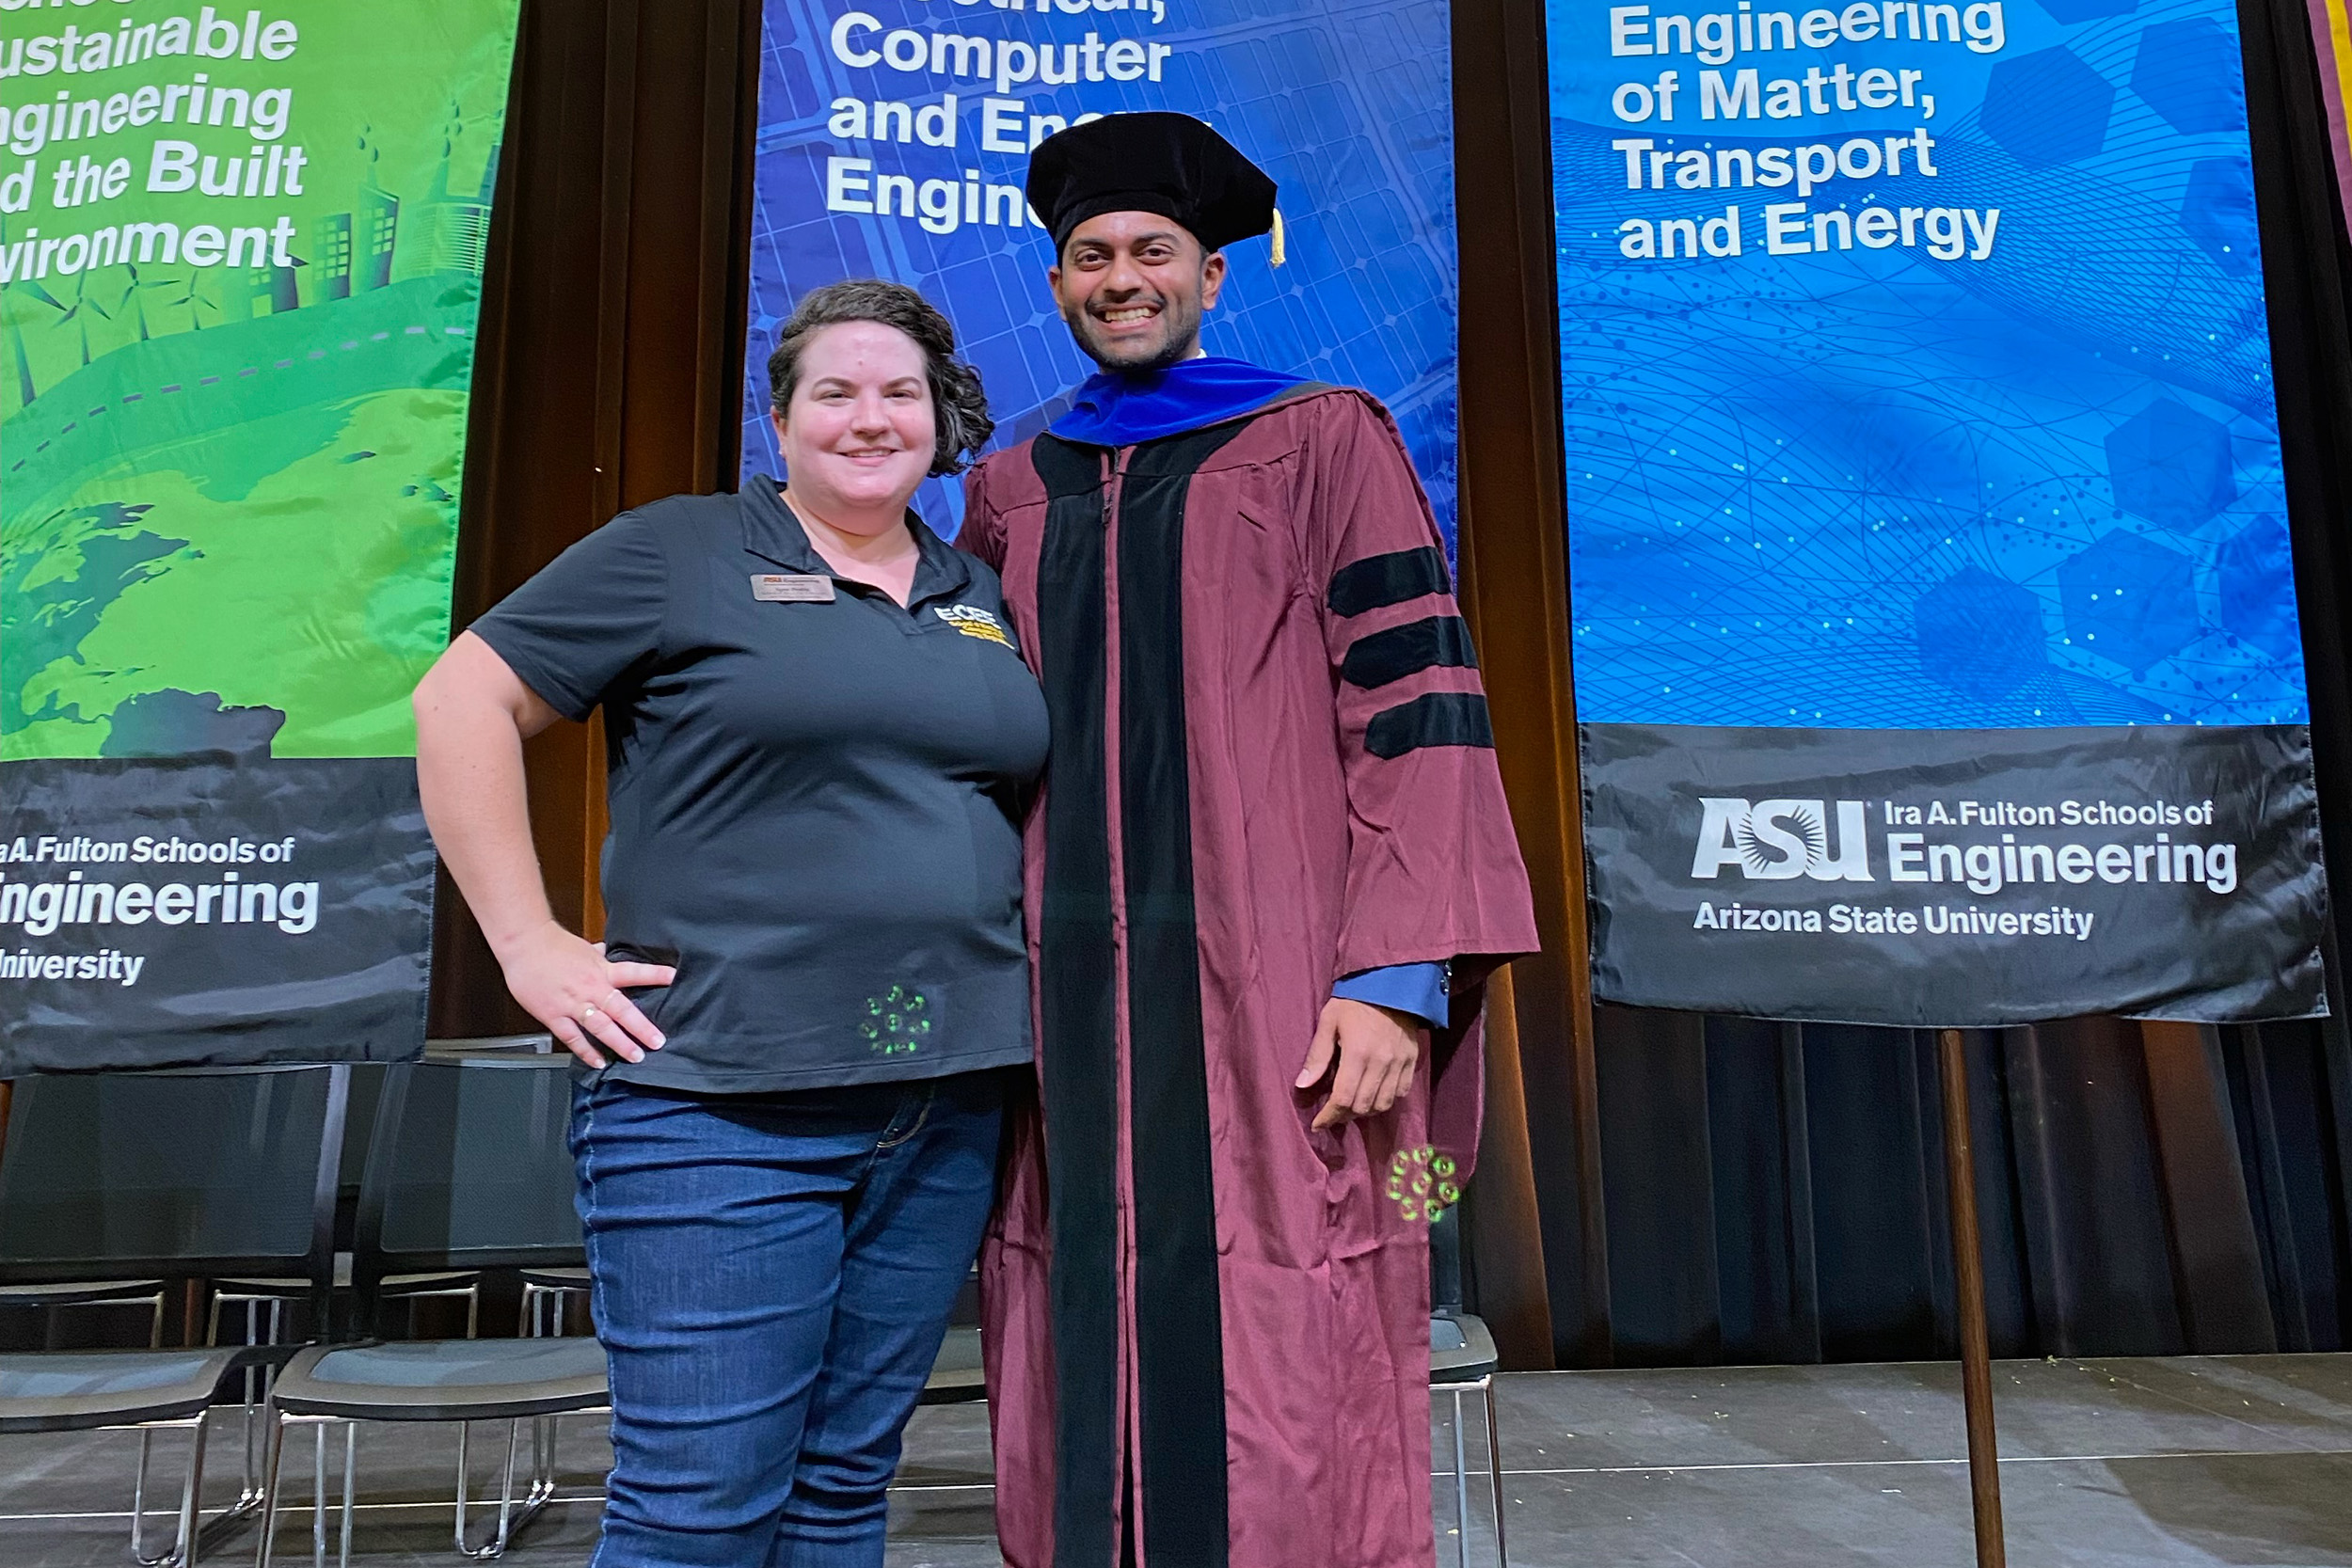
x=546 y=1291
x=1462 y=1360
x=467 y=1169
x=162 y=1177
x=274 y=1310
x=265 y=1300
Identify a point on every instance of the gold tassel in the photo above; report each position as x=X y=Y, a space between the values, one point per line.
x=1274 y=253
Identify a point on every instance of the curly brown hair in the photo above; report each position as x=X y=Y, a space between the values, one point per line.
x=959 y=402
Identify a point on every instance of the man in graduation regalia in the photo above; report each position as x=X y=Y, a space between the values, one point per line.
x=1270 y=870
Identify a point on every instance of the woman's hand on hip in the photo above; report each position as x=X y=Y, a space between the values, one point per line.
x=570 y=985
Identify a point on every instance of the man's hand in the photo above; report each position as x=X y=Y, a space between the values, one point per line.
x=568 y=985
x=1377 y=1050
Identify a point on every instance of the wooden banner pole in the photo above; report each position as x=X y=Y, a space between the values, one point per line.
x=1976 y=1357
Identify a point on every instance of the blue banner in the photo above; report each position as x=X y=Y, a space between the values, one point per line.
x=1917 y=390
x=894 y=141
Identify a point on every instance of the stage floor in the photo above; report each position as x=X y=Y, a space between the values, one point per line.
x=2241 y=1460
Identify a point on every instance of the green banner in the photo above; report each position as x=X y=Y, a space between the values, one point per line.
x=241 y=256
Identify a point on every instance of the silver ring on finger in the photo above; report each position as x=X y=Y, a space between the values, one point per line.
x=589 y=1012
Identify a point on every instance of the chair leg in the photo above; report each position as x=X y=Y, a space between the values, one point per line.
x=318 y=1489
x=184 y=1555
x=351 y=1483
x=542 y=1475
x=257 y=1386
x=272 y=1449
x=1461 y=1488
x=506 y=1489
x=248 y=1490
x=543 y=1311
x=511 y=1519
x=138 y=1505
x=181 y=1550
x=184 y=1550
x=1494 y=1472
x=254 y=1392
x=495 y=1547
x=249 y=1485
x=465 y=1439
x=318 y=1498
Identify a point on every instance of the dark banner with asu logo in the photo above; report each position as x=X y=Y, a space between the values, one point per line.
x=165 y=911
x=1983 y=877
x=1934 y=616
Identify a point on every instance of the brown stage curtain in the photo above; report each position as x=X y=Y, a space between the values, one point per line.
x=610 y=364
x=1775 y=1192
x=1536 y=1200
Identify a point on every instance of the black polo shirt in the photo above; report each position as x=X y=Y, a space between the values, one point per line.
x=816 y=795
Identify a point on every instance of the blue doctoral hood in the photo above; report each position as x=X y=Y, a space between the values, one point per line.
x=1119 y=408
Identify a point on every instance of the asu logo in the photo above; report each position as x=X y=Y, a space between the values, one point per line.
x=1776 y=840
x=975 y=622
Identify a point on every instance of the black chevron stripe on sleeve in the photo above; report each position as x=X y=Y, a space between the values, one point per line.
x=1439 y=719
x=1434 y=642
x=1385 y=580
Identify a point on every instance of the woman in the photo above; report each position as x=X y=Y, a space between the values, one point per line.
x=819 y=735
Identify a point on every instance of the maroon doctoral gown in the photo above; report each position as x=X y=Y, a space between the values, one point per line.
x=1207 y=1323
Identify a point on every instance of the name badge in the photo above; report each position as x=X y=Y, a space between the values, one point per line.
x=779 y=588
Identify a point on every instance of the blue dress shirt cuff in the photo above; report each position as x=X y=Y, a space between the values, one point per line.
x=1415 y=988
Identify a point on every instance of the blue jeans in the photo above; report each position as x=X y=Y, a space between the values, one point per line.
x=773 y=1278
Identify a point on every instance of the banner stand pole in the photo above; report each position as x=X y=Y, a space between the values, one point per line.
x=1975 y=1358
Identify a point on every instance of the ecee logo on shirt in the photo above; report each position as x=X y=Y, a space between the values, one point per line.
x=975 y=622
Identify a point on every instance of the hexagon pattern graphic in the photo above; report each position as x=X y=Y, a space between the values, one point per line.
x=2129 y=599
x=2189 y=74
x=2217 y=211
x=1780 y=475
x=1978 y=635
x=2251 y=565
x=2047 y=108
x=2170 y=464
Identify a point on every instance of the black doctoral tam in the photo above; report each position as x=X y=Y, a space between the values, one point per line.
x=1154 y=161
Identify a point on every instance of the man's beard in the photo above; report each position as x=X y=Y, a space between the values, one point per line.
x=1182 y=340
